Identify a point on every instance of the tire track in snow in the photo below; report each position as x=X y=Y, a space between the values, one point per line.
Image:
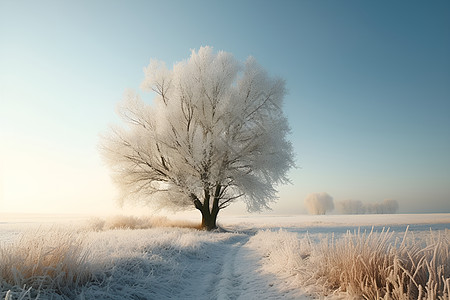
x=239 y=275
x=229 y=282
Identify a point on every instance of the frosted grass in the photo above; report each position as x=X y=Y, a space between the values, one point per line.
x=132 y=222
x=365 y=265
x=55 y=261
x=112 y=264
x=105 y=259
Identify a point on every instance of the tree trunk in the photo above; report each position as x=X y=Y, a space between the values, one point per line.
x=209 y=216
x=209 y=221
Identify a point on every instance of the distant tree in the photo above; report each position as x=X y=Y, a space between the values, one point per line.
x=388 y=206
x=319 y=203
x=350 y=207
x=215 y=133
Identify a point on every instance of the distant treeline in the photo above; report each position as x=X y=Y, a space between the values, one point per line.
x=321 y=203
x=388 y=206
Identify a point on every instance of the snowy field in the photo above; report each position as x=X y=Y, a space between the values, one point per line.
x=252 y=257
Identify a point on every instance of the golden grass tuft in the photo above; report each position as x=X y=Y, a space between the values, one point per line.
x=131 y=222
x=360 y=265
x=372 y=266
x=51 y=260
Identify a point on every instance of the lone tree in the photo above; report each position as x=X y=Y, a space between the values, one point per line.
x=215 y=133
x=319 y=203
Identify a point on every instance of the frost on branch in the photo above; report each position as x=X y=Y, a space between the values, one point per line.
x=214 y=133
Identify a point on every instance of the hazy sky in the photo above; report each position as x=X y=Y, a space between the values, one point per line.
x=368 y=101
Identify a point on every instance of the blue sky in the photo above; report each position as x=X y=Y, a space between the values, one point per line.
x=368 y=101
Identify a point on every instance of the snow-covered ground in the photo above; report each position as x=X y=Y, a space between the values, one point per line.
x=250 y=259
x=314 y=221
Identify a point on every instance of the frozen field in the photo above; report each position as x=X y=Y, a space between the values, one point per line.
x=253 y=257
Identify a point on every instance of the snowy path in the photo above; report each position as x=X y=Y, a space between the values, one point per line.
x=231 y=270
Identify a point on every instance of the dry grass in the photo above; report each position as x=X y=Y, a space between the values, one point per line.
x=51 y=261
x=377 y=266
x=360 y=265
x=131 y=222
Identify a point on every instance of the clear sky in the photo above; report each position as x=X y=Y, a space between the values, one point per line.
x=368 y=101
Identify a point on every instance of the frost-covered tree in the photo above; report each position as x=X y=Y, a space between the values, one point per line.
x=319 y=203
x=351 y=207
x=215 y=133
x=388 y=206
